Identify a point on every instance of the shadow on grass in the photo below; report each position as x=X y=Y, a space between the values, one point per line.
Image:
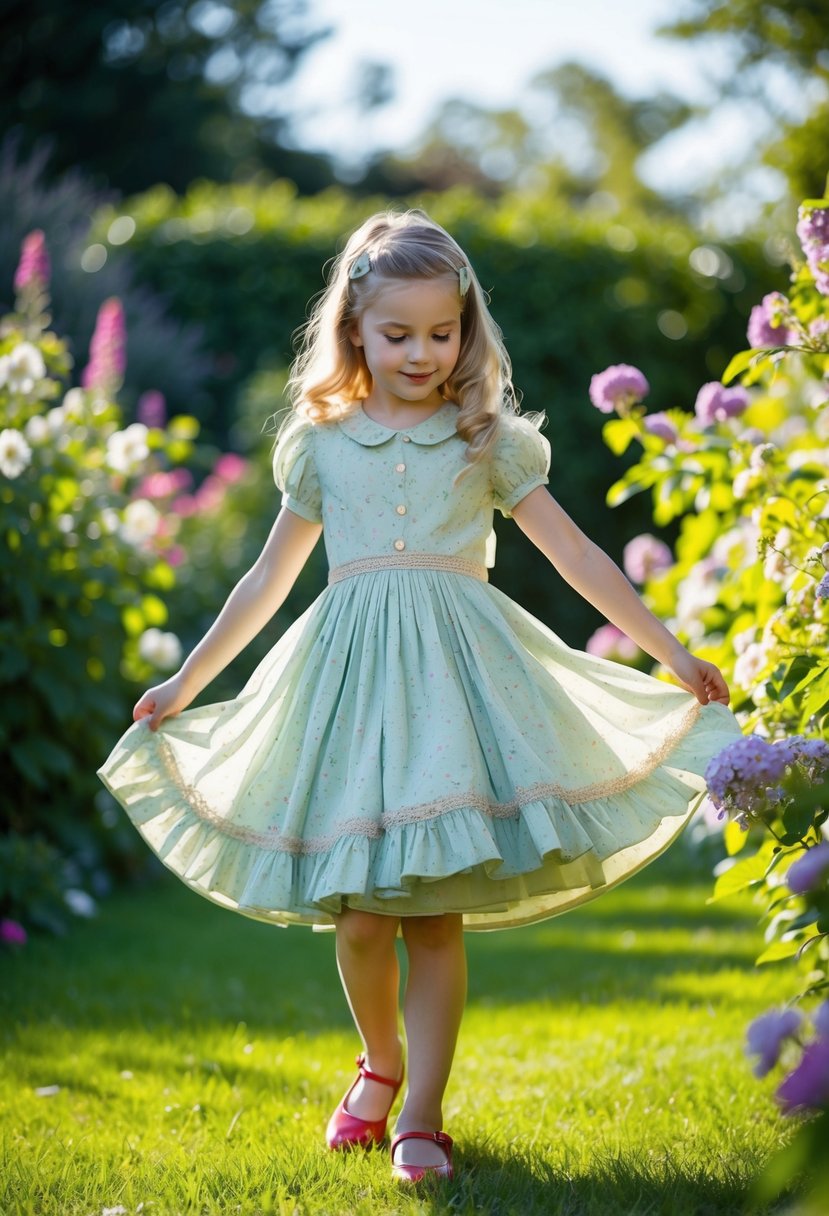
x=517 y=1181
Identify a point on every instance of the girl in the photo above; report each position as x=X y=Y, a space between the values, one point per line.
x=417 y=754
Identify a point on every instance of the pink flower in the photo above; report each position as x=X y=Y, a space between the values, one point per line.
x=765 y=325
x=151 y=408
x=175 y=555
x=715 y=403
x=805 y=873
x=163 y=485
x=618 y=387
x=107 y=350
x=644 y=556
x=230 y=468
x=12 y=933
x=34 y=264
x=661 y=425
x=609 y=642
x=808 y=1085
x=210 y=493
x=185 y=505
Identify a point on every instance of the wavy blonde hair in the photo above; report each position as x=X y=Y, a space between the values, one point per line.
x=329 y=373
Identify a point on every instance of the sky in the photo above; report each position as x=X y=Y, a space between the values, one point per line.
x=488 y=50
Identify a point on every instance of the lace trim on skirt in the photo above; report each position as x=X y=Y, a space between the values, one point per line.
x=273 y=840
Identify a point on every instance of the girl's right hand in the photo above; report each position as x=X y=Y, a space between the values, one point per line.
x=162 y=701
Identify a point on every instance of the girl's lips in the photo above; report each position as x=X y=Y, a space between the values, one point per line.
x=419 y=377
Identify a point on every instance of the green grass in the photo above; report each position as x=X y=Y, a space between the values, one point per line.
x=198 y=1054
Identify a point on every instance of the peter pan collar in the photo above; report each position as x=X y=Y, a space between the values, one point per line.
x=441 y=425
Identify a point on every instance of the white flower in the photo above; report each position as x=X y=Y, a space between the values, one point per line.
x=56 y=419
x=22 y=367
x=775 y=567
x=127 y=448
x=110 y=520
x=695 y=593
x=161 y=649
x=749 y=665
x=74 y=402
x=140 y=521
x=80 y=902
x=744 y=482
x=15 y=453
x=36 y=429
x=761 y=455
x=741 y=641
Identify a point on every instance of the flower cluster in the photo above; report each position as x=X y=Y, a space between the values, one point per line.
x=715 y=403
x=767 y=322
x=609 y=642
x=617 y=388
x=744 y=777
x=645 y=556
x=107 y=350
x=807 y=1086
x=813 y=234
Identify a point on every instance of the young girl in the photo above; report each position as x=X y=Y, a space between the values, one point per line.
x=417 y=754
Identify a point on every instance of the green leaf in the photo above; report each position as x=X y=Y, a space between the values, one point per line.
x=739 y=363
x=735 y=838
x=780 y=950
x=619 y=433
x=817 y=697
x=739 y=877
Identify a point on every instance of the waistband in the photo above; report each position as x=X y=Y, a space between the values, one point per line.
x=409 y=561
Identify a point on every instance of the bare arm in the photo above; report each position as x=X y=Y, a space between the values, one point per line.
x=250 y=605
x=597 y=578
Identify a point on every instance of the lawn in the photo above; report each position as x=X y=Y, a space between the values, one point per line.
x=190 y=1058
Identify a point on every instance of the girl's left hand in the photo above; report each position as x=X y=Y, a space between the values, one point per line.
x=701 y=678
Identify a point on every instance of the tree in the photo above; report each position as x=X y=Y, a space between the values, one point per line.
x=775 y=41
x=139 y=91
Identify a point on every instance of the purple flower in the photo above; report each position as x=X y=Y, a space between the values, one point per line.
x=661 y=425
x=617 y=388
x=822 y=589
x=644 y=556
x=715 y=403
x=820 y=1019
x=12 y=933
x=151 y=408
x=107 y=350
x=765 y=325
x=819 y=331
x=809 y=869
x=813 y=233
x=609 y=642
x=34 y=264
x=738 y=776
x=808 y=1085
x=766 y=1035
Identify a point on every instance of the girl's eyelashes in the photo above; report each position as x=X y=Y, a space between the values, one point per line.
x=396 y=339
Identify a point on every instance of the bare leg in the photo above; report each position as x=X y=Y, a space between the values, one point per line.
x=433 y=1007
x=370 y=975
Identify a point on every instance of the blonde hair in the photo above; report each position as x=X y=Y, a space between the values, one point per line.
x=330 y=373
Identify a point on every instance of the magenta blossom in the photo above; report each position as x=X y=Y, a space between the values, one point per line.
x=766 y=324
x=766 y=1035
x=813 y=233
x=807 y=1087
x=609 y=642
x=34 y=266
x=12 y=933
x=618 y=388
x=805 y=873
x=645 y=556
x=230 y=468
x=715 y=403
x=151 y=408
x=661 y=425
x=107 y=350
x=164 y=484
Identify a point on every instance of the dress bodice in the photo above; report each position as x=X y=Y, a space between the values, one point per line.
x=380 y=492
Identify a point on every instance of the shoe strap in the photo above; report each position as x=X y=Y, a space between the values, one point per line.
x=442 y=1138
x=375 y=1076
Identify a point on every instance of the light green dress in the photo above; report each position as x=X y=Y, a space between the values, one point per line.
x=416 y=742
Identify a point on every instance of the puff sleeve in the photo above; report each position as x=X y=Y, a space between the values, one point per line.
x=295 y=472
x=520 y=463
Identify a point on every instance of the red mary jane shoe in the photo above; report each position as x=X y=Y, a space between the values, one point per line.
x=349 y=1131
x=415 y=1173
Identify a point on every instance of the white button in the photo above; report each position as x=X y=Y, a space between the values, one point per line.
x=400 y=544
x=400 y=468
x=407 y=439
x=401 y=510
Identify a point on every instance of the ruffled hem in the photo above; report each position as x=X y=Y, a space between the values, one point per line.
x=500 y=871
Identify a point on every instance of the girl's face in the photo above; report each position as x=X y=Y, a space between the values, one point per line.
x=411 y=338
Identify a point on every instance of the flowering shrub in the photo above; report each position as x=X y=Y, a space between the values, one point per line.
x=746 y=475
x=84 y=563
